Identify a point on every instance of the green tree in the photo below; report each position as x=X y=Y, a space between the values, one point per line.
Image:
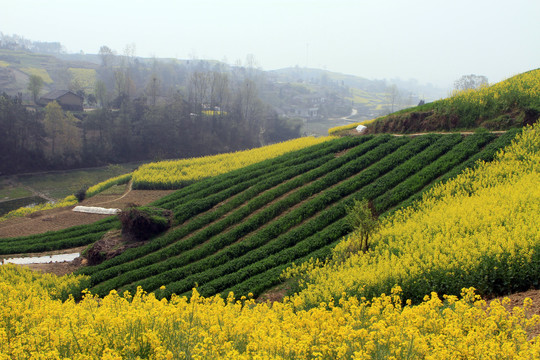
x=364 y=222
x=101 y=93
x=63 y=132
x=35 y=84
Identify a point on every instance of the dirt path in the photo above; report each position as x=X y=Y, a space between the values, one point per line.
x=61 y=218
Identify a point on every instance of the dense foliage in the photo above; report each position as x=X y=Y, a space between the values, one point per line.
x=238 y=231
x=479 y=229
x=45 y=139
x=139 y=326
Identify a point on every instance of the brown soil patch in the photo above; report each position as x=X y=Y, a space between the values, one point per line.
x=59 y=269
x=341 y=153
x=516 y=300
x=62 y=218
x=275 y=294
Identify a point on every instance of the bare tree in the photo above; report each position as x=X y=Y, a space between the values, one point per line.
x=219 y=90
x=198 y=90
x=470 y=82
x=393 y=96
x=100 y=91
x=107 y=56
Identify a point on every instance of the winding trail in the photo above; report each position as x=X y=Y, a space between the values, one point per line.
x=128 y=190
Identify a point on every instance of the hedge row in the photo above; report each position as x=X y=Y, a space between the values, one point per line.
x=207 y=218
x=470 y=145
x=328 y=226
x=253 y=223
x=223 y=181
x=57 y=240
x=279 y=226
x=485 y=154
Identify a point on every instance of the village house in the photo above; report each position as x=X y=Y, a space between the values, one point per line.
x=65 y=98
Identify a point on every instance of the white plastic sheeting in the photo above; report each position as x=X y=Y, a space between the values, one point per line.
x=41 y=259
x=96 y=210
x=361 y=128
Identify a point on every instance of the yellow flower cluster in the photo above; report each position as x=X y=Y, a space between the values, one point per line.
x=34 y=326
x=213 y=112
x=484 y=213
x=338 y=129
x=96 y=189
x=67 y=201
x=30 y=283
x=459 y=235
x=177 y=173
x=525 y=85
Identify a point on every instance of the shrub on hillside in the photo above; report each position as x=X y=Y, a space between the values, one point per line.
x=81 y=193
x=141 y=223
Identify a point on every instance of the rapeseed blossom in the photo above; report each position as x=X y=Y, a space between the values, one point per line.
x=464 y=226
x=479 y=229
x=33 y=325
x=175 y=174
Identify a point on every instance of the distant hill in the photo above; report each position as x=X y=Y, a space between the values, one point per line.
x=291 y=91
x=514 y=102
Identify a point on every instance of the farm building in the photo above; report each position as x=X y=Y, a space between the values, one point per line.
x=65 y=98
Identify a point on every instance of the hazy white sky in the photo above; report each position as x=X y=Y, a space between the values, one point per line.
x=430 y=40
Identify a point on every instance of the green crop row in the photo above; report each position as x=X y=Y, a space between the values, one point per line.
x=327 y=227
x=485 y=154
x=271 y=257
x=181 y=247
x=65 y=239
x=197 y=223
x=160 y=248
x=263 y=281
x=223 y=181
x=470 y=145
x=281 y=225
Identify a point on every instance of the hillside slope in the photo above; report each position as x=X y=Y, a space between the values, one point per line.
x=479 y=229
x=239 y=231
x=388 y=326
x=514 y=102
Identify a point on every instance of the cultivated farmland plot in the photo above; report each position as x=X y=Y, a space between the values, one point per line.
x=239 y=230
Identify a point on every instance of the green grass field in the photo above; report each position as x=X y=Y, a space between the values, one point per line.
x=58 y=185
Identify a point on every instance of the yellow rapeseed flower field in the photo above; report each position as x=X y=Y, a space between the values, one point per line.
x=33 y=325
x=480 y=229
x=317 y=323
x=175 y=174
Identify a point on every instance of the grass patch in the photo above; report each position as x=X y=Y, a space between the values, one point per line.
x=85 y=77
x=60 y=184
x=39 y=72
x=10 y=193
x=114 y=190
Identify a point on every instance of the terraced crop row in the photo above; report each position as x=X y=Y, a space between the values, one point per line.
x=240 y=233
x=202 y=192
x=58 y=240
x=220 y=233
